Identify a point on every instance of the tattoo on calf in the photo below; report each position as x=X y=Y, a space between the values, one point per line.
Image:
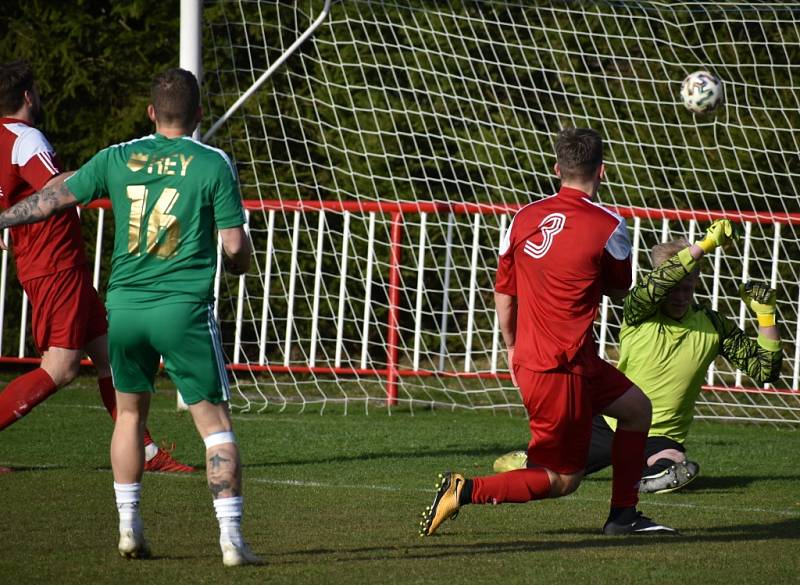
x=216 y=460
x=218 y=487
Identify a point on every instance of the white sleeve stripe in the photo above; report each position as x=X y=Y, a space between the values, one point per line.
x=618 y=243
x=28 y=144
x=44 y=157
x=505 y=241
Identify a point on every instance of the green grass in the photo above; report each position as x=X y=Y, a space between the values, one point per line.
x=336 y=500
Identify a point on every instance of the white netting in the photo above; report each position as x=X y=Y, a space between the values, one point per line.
x=457 y=103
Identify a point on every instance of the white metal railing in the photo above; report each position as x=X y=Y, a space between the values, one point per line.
x=482 y=361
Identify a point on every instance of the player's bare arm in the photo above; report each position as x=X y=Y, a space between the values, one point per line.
x=52 y=198
x=236 y=250
x=506 y=306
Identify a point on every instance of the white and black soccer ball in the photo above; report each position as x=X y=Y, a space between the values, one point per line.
x=702 y=92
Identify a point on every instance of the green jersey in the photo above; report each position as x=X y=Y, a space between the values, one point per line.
x=668 y=359
x=169 y=195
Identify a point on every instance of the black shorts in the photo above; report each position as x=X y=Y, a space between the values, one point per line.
x=603 y=437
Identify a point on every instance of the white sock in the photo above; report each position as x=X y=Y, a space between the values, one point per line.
x=128 y=495
x=229 y=515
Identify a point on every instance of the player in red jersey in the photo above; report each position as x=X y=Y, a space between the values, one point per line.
x=67 y=315
x=559 y=256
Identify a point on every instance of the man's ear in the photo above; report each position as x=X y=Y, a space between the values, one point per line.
x=602 y=171
x=557 y=170
x=151 y=113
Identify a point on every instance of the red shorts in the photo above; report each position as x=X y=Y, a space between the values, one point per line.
x=560 y=408
x=65 y=309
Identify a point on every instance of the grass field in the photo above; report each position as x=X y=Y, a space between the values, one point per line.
x=335 y=500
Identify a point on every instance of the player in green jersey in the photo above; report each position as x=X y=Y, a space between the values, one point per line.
x=170 y=195
x=666 y=345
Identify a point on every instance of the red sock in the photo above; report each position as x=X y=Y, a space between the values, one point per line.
x=627 y=460
x=518 y=486
x=109 y=396
x=22 y=394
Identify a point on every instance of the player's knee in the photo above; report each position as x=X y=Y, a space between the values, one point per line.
x=61 y=364
x=563 y=484
x=643 y=408
x=63 y=373
x=639 y=411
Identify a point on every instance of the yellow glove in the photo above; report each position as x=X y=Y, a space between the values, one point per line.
x=719 y=233
x=761 y=300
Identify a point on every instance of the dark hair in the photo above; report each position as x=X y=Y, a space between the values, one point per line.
x=579 y=153
x=16 y=78
x=175 y=97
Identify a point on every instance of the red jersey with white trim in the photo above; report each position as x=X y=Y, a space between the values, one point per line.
x=27 y=163
x=557 y=257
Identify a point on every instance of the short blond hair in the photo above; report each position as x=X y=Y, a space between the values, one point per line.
x=661 y=252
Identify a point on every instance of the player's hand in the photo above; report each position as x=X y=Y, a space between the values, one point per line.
x=761 y=300
x=511 y=366
x=232 y=267
x=720 y=233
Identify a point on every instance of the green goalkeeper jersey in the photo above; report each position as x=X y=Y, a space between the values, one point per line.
x=169 y=195
x=668 y=359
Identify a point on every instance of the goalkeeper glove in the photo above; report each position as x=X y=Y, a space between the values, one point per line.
x=761 y=300
x=719 y=233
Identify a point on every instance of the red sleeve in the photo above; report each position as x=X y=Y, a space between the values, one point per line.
x=616 y=274
x=39 y=169
x=35 y=158
x=506 y=278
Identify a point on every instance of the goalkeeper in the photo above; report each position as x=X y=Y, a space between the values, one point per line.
x=666 y=345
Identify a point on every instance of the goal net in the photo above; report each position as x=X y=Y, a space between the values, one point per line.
x=383 y=161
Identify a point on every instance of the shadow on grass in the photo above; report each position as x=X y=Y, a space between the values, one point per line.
x=707 y=483
x=441 y=546
x=488 y=452
x=23 y=468
x=724 y=482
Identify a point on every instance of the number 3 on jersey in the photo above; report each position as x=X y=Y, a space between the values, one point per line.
x=549 y=227
x=163 y=229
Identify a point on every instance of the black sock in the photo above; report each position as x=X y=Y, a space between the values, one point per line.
x=466 y=493
x=622 y=515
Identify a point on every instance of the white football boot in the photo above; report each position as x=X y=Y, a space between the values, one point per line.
x=235 y=556
x=132 y=544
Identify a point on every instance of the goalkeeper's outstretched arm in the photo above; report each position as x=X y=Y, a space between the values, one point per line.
x=761 y=359
x=648 y=294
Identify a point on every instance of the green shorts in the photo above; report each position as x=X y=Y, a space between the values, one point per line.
x=184 y=334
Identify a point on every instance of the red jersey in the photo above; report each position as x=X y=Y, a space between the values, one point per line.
x=557 y=257
x=27 y=163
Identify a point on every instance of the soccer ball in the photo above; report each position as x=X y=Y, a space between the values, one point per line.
x=702 y=92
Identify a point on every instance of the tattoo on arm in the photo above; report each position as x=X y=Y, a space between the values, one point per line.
x=39 y=206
